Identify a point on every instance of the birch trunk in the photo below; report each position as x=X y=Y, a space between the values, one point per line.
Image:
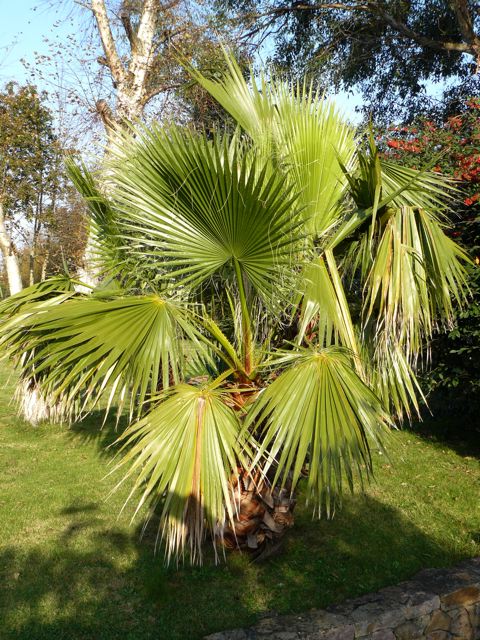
x=43 y=275
x=130 y=81
x=31 y=267
x=10 y=257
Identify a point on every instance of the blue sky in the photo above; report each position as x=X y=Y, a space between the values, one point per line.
x=24 y=25
x=22 y=29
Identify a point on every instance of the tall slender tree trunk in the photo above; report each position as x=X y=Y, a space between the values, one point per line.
x=10 y=257
x=37 y=225
x=130 y=81
x=31 y=267
x=43 y=275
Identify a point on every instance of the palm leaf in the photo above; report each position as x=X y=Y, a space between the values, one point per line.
x=313 y=141
x=393 y=378
x=107 y=249
x=293 y=126
x=103 y=233
x=198 y=208
x=247 y=103
x=182 y=456
x=84 y=350
x=16 y=312
x=415 y=272
x=324 y=307
x=377 y=186
x=42 y=291
x=410 y=270
x=317 y=418
x=412 y=188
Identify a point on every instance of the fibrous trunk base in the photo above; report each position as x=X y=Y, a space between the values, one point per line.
x=264 y=515
x=33 y=406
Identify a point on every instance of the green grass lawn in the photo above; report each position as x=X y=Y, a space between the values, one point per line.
x=71 y=568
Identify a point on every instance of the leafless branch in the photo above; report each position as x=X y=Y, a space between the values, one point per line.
x=127 y=25
x=108 y=43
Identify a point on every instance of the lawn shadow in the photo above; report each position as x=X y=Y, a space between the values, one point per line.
x=104 y=582
x=451 y=422
x=93 y=429
x=368 y=545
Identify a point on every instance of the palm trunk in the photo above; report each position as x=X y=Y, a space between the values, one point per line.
x=33 y=406
x=263 y=516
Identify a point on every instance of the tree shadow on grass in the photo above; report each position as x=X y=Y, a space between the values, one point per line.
x=103 y=434
x=451 y=421
x=101 y=581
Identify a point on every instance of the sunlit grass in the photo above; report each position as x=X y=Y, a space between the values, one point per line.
x=71 y=568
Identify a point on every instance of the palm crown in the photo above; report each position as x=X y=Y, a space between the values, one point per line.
x=270 y=295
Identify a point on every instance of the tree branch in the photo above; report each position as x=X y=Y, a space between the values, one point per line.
x=161 y=88
x=105 y=114
x=404 y=30
x=465 y=22
x=127 y=25
x=464 y=19
x=471 y=44
x=143 y=49
x=114 y=63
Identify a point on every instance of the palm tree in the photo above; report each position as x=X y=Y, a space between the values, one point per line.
x=270 y=296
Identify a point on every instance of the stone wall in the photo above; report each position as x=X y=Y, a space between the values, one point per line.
x=437 y=604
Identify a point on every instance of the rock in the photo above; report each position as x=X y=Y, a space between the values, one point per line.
x=461 y=627
x=344 y=633
x=410 y=630
x=324 y=620
x=474 y=615
x=374 y=617
x=461 y=597
x=383 y=634
x=440 y=621
x=421 y=603
x=439 y=635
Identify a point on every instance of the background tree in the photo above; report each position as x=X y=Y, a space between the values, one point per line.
x=65 y=242
x=390 y=49
x=452 y=148
x=128 y=58
x=30 y=171
x=132 y=57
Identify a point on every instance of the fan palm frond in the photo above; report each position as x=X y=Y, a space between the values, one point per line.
x=319 y=419
x=84 y=350
x=199 y=208
x=182 y=457
x=299 y=130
